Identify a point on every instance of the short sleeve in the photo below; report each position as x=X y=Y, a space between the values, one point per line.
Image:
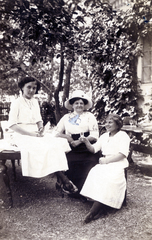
x=38 y=116
x=93 y=126
x=124 y=143
x=21 y=113
x=13 y=114
x=60 y=128
x=98 y=145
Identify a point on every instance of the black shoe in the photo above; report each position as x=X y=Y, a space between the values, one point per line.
x=100 y=213
x=89 y=218
x=60 y=189
x=92 y=216
x=69 y=188
x=58 y=185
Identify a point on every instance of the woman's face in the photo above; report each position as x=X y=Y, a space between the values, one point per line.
x=78 y=106
x=111 y=126
x=29 y=90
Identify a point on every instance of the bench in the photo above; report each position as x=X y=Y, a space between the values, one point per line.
x=141 y=148
x=5 y=190
x=11 y=155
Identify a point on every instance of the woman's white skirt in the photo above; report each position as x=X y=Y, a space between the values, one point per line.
x=106 y=183
x=41 y=156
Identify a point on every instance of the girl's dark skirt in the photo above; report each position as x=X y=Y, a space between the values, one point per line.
x=80 y=161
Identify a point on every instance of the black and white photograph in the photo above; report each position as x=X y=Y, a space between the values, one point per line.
x=75 y=119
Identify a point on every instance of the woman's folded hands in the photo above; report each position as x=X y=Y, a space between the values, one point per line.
x=75 y=143
x=84 y=140
x=103 y=160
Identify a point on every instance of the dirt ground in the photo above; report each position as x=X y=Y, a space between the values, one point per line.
x=40 y=213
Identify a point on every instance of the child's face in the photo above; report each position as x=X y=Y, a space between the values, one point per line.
x=29 y=90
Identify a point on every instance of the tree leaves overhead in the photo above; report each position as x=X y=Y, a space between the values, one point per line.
x=31 y=31
x=80 y=42
x=112 y=47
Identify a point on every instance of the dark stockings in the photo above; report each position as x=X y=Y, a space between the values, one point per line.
x=66 y=184
x=61 y=178
x=97 y=208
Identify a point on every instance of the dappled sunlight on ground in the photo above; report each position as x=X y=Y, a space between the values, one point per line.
x=144 y=162
x=40 y=212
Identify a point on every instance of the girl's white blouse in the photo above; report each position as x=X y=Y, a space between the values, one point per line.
x=119 y=143
x=24 y=111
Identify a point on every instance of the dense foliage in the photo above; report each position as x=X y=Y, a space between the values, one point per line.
x=74 y=44
x=113 y=43
x=37 y=38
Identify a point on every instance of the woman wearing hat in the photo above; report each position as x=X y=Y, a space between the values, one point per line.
x=79 y=122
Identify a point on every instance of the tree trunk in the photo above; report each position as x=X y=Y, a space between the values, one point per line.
x=59 y=87
x=50 y=95
x=67 y=83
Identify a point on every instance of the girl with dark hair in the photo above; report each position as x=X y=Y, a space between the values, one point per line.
x=24 y=116
x=106 y=183
x=25 y=80
x=40 y=154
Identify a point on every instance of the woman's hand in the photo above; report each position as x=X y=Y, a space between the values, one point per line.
x=62 y=135
x=75 y=143
x=84 y=140
x=102 y=160
x=20 y=130
x=40 y=132
x=35 y=134
x=87 y=143
x=112 y=158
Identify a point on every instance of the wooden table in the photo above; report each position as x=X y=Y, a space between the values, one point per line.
x=137 y=129
x=137 y=133
x=5 y=190
x=132 y=128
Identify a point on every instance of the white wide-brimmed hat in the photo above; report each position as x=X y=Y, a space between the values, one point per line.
x=78 y=94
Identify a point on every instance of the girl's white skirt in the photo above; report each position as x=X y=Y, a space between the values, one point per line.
x=106 y=183
x=41 y=156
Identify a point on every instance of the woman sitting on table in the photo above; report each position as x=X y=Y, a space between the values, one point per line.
x=106 y=183
x=41 y=154
x=77 y=123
